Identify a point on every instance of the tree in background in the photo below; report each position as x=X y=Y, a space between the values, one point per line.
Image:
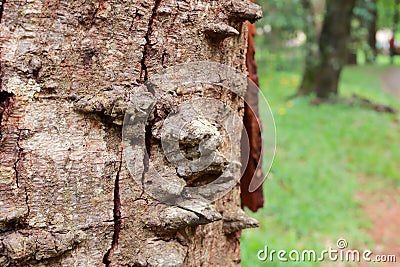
x=363 y=31
x=285 y=20
x=396 y=16
x=311 y=49
x=388 y=14
x=333 y=48
x=372 y=29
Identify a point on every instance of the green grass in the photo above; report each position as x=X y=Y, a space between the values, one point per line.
x=323 y=154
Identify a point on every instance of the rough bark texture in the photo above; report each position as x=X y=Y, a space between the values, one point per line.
x=323 y=77
x=252 y=200
x=67 y=69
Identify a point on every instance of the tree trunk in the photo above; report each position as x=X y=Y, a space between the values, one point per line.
x=396 y=16
x=372 y=29
x=352 y=57
x=311 y=50
x=333 y=46
x=68 y=69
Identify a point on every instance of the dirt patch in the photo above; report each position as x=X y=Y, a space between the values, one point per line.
x=383 y=208
x=391 y=81
x=383 y=205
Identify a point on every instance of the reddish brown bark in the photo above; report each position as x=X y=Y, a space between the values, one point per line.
x=252 y=200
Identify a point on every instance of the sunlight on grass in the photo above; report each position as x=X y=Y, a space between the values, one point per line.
x=322 y=154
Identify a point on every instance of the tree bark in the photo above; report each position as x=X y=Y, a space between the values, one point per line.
x=67 y=71
x=324 y=76
x=252 y=125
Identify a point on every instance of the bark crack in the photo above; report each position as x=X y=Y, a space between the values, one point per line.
x=117 y=217
x=146 y=157
x=19 y=154
x=144 y=75
x=2 y=3
x=6 y=104
x=137 y=14
x=27 y=202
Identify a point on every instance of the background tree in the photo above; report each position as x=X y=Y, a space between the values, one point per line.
x=333 y=48
x=396 y=16
x=372 y=29
x=311 y=49
x=363 y=31
x=281 y=33
x=387 y=13
x=67 y=71
x=283 y=23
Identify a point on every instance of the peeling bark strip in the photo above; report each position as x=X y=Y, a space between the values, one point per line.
x=254 y=200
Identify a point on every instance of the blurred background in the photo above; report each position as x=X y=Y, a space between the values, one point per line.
x=331 y=74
